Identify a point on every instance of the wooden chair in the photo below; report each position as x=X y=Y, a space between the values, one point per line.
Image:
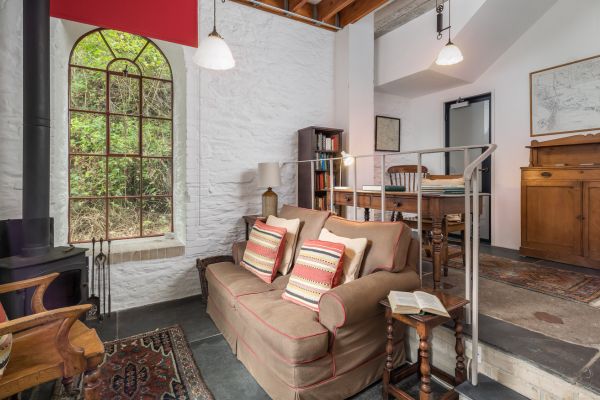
x=407 y=176
x=48 y=345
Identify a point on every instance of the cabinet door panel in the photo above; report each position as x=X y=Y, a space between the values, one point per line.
x=591 y=222
x=552 y=213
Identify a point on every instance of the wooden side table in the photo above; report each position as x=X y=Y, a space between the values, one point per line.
x=424 y=324
x=250 y=220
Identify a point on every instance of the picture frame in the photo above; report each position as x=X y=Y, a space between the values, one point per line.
x=563 y=98
x=387 y=133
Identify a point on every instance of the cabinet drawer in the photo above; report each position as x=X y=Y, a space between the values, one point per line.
x=395 y=204
x=563 y=174
x=344 y=199
x=347 y=199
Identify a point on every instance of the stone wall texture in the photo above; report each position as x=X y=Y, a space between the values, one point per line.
x=226 y=122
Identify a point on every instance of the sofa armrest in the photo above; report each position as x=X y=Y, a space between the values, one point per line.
x=358 y=300
x=202 y=264
x=237 y=251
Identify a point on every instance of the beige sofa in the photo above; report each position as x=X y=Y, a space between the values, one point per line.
x=296 y=353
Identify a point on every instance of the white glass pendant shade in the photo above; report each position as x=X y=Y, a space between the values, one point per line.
x=449 y=55
x=213 y=53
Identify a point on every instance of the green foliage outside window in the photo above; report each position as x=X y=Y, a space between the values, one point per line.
x=121 y=138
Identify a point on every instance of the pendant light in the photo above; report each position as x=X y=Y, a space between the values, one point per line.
x=450 y=53
x=213 y=52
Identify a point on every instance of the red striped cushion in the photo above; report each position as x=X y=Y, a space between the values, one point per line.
x=318 y=268
x=264 y=250
x=5 y=343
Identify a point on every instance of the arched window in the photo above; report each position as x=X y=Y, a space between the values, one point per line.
x=120 y=138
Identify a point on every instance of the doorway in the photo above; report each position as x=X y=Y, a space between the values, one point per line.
x=469 y=122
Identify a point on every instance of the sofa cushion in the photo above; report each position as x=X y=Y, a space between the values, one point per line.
x=353 y=253
x=387 y=246
x=264 y=250
x=311 y=223
x=318 y=269
x=232 y=281
x=292 y=227
x=292 y=331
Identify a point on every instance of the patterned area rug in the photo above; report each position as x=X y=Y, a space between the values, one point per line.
x=551 y=281
x=153 y=365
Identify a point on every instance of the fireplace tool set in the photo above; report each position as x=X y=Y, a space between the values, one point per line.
x=100 y=282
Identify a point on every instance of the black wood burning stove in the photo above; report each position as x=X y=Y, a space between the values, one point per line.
x=26 y=246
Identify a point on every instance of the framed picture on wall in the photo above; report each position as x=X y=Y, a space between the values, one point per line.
x=387 y=133
x=564 y=98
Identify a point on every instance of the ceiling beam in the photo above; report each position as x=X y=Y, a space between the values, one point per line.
x=276 y=7
x=296 y=5
x=328 y=8
x=357 y=10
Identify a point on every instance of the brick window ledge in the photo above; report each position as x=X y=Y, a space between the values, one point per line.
x=144 y=249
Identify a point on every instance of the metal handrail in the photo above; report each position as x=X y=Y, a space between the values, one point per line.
x=472 y=177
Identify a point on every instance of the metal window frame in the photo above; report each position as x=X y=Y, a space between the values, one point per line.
x=107 y=154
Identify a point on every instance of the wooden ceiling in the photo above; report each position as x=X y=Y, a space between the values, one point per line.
x=326 y=14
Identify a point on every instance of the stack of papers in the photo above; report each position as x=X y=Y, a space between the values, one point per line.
x=443 y=186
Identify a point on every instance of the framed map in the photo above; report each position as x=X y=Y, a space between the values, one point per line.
x=565 y=98
x=387 y=133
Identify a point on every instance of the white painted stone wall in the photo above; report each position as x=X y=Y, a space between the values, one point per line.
x=566 y=32
x=226 y=122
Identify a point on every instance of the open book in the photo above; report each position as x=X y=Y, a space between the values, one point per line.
x=415 y=303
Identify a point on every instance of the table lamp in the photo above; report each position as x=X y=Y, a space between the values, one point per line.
x=268 y=177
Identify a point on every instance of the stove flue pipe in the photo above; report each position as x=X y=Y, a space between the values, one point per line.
x=36 y=127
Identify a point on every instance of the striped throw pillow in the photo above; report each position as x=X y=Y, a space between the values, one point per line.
x=264 y=250
x=5 y=344
x=318 y=268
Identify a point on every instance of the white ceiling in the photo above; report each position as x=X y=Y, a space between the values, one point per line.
x=483 y=29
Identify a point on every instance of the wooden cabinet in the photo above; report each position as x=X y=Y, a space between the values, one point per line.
x=560 y=201
x=591 y=221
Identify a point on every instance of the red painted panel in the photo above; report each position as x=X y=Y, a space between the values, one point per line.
x=174 y=21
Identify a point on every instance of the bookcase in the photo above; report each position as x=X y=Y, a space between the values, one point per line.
x=318 y=143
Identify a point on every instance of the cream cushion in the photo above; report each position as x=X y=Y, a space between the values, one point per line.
x=292 y=226
x=353 y=254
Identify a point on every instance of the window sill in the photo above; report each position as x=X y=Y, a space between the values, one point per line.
x=144 y=249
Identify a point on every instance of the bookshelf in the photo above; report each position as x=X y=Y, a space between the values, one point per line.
x=318 y=143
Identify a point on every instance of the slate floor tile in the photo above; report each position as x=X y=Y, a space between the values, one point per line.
x=225 y=375
x=189 y=313
x=488 y=389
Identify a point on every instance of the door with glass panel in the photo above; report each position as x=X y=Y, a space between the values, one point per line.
x=468 y=122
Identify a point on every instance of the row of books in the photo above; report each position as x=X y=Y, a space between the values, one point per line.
x=321 y=203
x=322 y=181
x=323 y=163
x=327 y=143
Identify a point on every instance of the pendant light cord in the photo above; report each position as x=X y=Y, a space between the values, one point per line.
x=449 y=23
x=214 y=31
x=214 y=16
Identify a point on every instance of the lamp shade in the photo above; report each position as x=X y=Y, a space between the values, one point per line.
x=449 y=55
x=268 y=175
x=214 y=53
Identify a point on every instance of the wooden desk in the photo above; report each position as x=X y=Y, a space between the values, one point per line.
x=424 y=325
x=434 y=207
